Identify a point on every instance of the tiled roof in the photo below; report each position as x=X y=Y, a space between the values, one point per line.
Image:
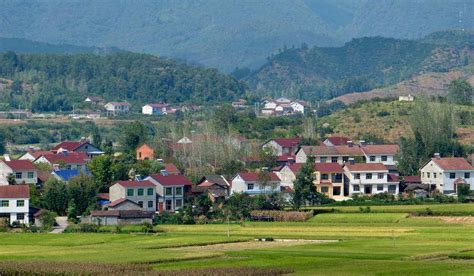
x=328 y=167
x=453 y=164
x=171 y=180
x=254 y=176
x=380 y=149
x=295 y=167
x=68 y=174
x=130 y=183
x=69 y=145
x=171 y=168
x=348 y=151
x=287 y=142
x=412 y=179
x=393 y=178
x=20 y=165
x=338 y=140
x=103 y=196
x=15 y=191
x=209 y=180
x=319 y=150
x=38 y=153
x=366 y=167
x=68 y=158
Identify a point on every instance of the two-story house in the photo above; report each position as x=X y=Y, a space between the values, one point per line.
x=370 y=178
x=256 y=183
x=14 y=203
x=171 y=190
x=142 y=193
x=329 y=154
x=329 y=180
x=65 y=160
x=447 y=173
x=77 y=146
x=23 y=170
x=116 y=108
x=155 y=109
x=283 y=146
x=384 y=154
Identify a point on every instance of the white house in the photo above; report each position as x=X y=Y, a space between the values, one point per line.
x=329 y=154
x=254 y=183
x=142 y=193
x=283 y=146
x=370 y=178
x=408 y=98
x=155 y=109
x=384 y=154
x=447 y=172
x=14 y=203
x=23 y=170
x=298 y=106
x=115 y=108
x=287 y=174
x=170 y=190
x=65 y=160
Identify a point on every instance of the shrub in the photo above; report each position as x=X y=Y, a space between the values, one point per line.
x=281 y=215
x=365 y=209
x=147 y=227
x=48 y=219
x=383 y=113
x=82 y=228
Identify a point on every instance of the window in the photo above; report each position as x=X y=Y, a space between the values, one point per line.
x=18 y=175
x=467 y=175
x=357 y=176
x=129 y=192
x=333 y=159
x=4 y=203
x=68 y=167
x=356 y=188
x=372 y=158
x=345 y=159
x=140 y=191
x=179 y=203
x=168 y=205
x=179 y=190
x=324 y=176
x=31 y=175
x=150 y=204
x=380 y=175
x=20 y=203
x=423 y=174
x=428 y=175
x=452 y=175
x=324 y=189
x=336 y=190
x=169 y=191
x=379 y=187
x=250 y=186
x=139 y=154
x=384 y=158
x=20 y=216
x=149 y=191
x=323 y=159
x=368 y=176
x=140 y=203
x=434 y=175
x=392 y=189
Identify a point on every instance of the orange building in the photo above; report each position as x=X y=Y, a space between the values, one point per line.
x=145 y=152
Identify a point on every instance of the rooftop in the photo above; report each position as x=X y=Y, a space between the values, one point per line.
x=453 y=164
x=20 y=165
x=131 y=183
x=255 y=176
x=15 y=191
x=171 y=179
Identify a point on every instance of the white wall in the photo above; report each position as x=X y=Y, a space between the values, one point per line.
x=13 y=209
x=240 y=186
x=378 y=159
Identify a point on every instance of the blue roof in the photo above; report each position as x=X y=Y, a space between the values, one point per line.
x=65 y=175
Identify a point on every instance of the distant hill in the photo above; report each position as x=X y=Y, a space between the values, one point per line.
x=20 y=45
x=360 y=65
x=56 y=82
x=226 y=33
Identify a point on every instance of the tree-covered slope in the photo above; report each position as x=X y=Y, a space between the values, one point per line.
x=56 y=82
x=360 y=65
x=226 y=33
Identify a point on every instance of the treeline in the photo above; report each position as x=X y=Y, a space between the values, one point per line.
x=57 y=82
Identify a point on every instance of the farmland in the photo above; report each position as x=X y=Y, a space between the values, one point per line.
x=392 y=242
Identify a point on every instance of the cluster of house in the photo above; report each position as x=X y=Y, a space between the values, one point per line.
x=283 y=106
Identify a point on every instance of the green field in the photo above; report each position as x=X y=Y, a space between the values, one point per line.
x=366 y=244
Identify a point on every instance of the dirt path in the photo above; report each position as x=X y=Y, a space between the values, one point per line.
x=62 y=224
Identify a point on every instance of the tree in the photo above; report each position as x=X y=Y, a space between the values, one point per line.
x=72 y=212
x=460 y=92
x=101 y=169
x=268 y=157
x=55 y=196
x=82 y=191
x=47 y=219
x=464 y=192
x=11 y=179
x=133 y=135
x=304 y=188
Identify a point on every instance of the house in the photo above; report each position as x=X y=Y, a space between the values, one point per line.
x=117 y=108
x=283 y=146
x=77 y=146
x=287 y=174
x=171 y=190
x=14 y=203
x=155 y=109
x=283 y=106
x=329 y=154
x=32 y=154
x=370 y=178
x=215 y=186
x=384 y=154
x=65 y=160
x=23 y=170
x=171 y=168
x=337 y=141
x=255 y=183
x=122 y=204
x=447 y=173
x=145 y=152
x=119 y=217
x=241 y=103
x=407 y=98
x=298 y=106
x=94 y=100
x=66 y=175
x=143 y=193
x=329 y=180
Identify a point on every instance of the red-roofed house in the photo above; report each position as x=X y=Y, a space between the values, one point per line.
x=329 y=180
x=287 y=174
x=370 y=178
x=171 y=190
x=329 y=154
x=23 y=170
x=444 y=171
x=380 y=153
x=69 y=160
x=255 y=183
x=171 y=168
x=142 y=193
x=78 y=147
x=336 y=141
x=32 y=154
x=283 y=146
x=14 y=203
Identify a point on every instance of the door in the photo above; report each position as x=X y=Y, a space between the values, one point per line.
x=368 y=189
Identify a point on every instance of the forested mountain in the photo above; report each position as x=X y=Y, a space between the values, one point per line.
x=226 y=33
x=360 y=65
x=56 y=82
x=20 y=45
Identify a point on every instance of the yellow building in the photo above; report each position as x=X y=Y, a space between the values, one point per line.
x=329 y=180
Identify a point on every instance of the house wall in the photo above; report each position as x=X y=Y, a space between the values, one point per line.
x=442 y=180
x=27 y=156
x=144 y=153
x=277 y=149
x=104 y=220
x=127 y=205
x=363 y=182
x=172 y=198
x=241 y=186
x=5 y=171
x=301 y=157
x=287 y=176
x=297 y=107
x=13 y=210
x=146 y=109
x=378 y=159
x=330 y=184
x=145 y=198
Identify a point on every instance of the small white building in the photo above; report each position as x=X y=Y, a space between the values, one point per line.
x=23 y=170
x=14 y=203
x=116 y=108
x=283 y=146
x=447 y=172
x=155 y=109
x=370 y=178
x=254 y=183
x=407 y=98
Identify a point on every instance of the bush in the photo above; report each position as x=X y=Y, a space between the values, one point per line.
x=281 y=215
x=383 y=113
x=365 y=209
x=48 y=220
x=147 y=227
x=82 y=228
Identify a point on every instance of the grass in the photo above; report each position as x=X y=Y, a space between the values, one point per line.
x=385 y=242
